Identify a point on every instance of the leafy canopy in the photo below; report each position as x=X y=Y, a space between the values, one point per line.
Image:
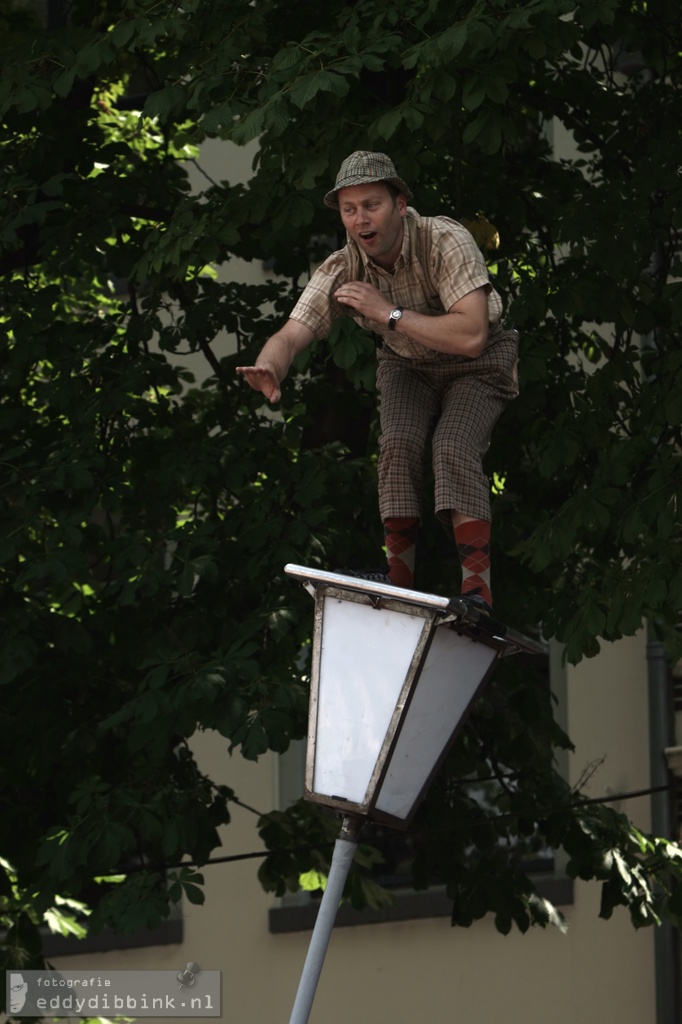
x=147 y=518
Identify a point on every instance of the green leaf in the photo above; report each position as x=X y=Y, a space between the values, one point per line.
x=245 y=130
x=122 y=33
x=96 y=53
x=485 y=130
x=63 y=82
x=219 y=118
x=388 y=123
x=286 y=58
x=276 y=117
x=503 y=923
x=312 y=881
x=673 y=406
x=305 y=89
x=473 y=94
x=165 y=103
x=451 y=42
x=193 y=893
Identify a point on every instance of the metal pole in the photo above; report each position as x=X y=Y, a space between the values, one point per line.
x=342 y=858
x=660 y=736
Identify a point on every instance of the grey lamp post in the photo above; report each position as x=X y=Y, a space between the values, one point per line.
x=394 y=674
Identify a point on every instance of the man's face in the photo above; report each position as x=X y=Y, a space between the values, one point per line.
x=374 y=220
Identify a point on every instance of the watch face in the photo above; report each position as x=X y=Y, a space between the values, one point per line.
x=396 y=314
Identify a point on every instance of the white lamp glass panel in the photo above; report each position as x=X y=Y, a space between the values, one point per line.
x=454 y=668
x=365 y=655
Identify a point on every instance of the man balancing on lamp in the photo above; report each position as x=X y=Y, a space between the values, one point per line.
x=446 y=366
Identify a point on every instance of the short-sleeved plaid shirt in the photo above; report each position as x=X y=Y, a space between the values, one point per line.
x=439 y=264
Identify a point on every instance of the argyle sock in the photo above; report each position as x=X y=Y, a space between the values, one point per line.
x=473 y=547
x=401 y=540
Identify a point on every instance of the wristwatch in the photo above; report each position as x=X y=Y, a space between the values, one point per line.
x=394 y=317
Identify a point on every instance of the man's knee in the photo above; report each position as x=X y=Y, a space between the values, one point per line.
x=456 y=452
x=401 y=443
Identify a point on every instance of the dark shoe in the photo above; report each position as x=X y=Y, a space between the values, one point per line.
x=372 y=576
x=478 y=602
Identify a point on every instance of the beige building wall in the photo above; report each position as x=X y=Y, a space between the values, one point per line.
x=424 y=970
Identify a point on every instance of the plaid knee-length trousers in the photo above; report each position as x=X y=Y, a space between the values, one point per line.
x=455 y=401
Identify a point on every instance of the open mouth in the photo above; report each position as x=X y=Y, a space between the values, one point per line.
x=367 y=236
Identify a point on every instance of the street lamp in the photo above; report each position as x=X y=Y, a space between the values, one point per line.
x=394 y=675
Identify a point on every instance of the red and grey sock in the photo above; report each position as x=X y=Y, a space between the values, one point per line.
x=473 y=547
x=401 y=540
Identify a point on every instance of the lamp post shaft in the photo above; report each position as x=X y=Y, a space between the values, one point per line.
x=342 y=858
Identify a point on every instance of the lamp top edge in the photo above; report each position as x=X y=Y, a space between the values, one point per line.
x=476 y=623
x=323 y=577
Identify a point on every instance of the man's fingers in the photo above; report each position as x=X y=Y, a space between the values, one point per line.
x=262 y=379
x=252 y=371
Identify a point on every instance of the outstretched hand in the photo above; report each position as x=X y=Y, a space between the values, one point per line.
x=262 y=378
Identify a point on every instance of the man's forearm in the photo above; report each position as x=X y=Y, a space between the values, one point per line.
x=453 y=333
x=275 y=358
x=281 y=349
x=276 y=355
